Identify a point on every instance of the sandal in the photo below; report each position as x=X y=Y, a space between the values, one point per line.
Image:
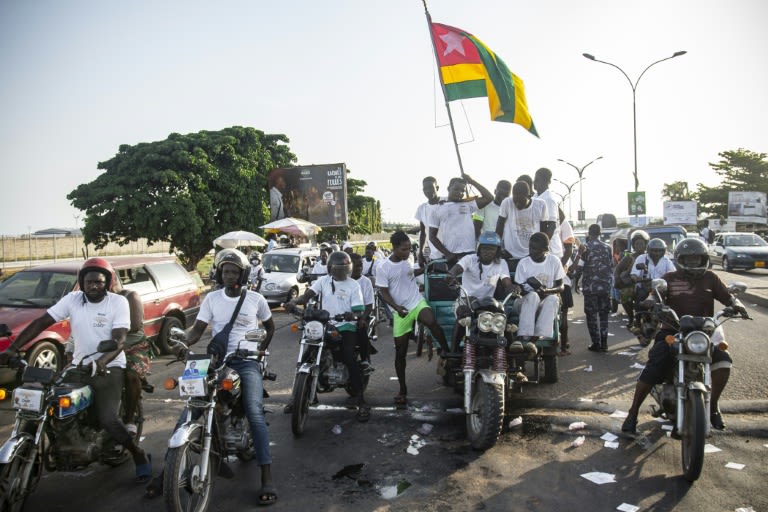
x=401 y=400
x=144 y=471
x=363 y=413
x=267 y=495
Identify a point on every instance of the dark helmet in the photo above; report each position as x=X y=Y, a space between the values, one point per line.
x=656 y=247
x=339 y=265
x=692 y=257
x=96 y=265
x=489 y=238
x=237 y=259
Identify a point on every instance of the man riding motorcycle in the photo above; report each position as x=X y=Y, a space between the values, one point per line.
x=621 y=274
x=653 y=265
x=691 y=290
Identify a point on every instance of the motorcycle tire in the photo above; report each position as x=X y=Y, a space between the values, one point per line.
x=550 y=369
x=182 y=488
x=302 y=389
x=693 y=435
x=486 y=416
x=14 y=491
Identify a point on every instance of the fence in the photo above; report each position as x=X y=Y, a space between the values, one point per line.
x=21 y=251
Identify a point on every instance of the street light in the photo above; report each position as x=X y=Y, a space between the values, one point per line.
x=580 y=171
x=634 y=89
x=568 y=195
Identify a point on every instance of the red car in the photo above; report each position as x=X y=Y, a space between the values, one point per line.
x=171 y=297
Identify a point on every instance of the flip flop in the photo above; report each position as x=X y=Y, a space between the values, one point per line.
x=267 y=495
x=144 y=471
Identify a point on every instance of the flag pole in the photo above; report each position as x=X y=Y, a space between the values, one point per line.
x=442 y=86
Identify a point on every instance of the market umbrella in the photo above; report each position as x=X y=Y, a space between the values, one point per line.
x=293 y=226
x=235 y=239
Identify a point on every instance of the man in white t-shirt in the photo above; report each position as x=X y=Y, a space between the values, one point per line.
x=551 y=226
x=540 y=301
x=485 y=219
x=396 y=279
x=339 y=294
x=519 y=218
x=366 y=288
x=423 y=213
x=482 y=271
x=451 y=229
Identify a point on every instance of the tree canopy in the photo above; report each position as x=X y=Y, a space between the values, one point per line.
x=676 y=191
x=187 y=189
x=741 y=170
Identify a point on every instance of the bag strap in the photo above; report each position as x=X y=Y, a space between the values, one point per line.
x=237 y=308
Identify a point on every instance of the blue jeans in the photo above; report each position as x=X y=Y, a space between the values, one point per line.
x=253 y=402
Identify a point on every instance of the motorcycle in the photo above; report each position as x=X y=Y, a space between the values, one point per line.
x=484 y=365
x=214 y=425
x=56 y=429
x=685 y=395
x=319 y=368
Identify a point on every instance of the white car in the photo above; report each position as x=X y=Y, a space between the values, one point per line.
x=280 y=269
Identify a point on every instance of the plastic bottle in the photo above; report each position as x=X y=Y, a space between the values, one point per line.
x=577 y=425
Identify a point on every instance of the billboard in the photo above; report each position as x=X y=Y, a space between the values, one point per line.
x=636 y=203
x=747 y=207
x=316 y=193
x=680 y=212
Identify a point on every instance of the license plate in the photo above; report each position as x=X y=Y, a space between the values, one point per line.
x=760 y=264
x=28 y=399
x=192 y=386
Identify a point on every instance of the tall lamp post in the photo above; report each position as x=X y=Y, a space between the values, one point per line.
x=580 y=171
x=568 y=195
x=634 y=89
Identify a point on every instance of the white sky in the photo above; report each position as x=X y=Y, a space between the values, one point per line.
x=354 y=81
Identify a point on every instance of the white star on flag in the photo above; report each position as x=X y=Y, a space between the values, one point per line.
x=454 y=42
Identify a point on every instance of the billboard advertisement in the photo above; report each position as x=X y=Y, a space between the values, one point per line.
x=680 y=212
x=747 y=207
x=316 y=193
x=636 y=203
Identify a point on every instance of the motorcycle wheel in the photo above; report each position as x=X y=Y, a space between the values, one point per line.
x=13 y=490
x=550 y=369
x=486 y=415
x=693 y=436
x=183 y=489
x=301 y=400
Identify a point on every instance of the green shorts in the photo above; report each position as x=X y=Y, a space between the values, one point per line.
x=403 y=325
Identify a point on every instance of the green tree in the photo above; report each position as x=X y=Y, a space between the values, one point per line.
x=675 y=191
x=741 y=170
x=186 y=189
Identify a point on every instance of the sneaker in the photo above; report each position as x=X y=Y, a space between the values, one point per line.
x=595 y=347
x=717 y=420
x=630 y=424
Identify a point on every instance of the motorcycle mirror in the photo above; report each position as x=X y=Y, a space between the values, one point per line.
x=257 y=335
x=737 y=288
x=107 y=346
x=660 y=285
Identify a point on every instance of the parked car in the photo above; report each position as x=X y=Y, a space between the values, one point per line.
x=171 y=298
x=672 y=235
x=280 y=269
x=738 y=251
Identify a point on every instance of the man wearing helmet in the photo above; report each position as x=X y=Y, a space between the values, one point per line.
x=622 y=280
x=691 y=290
x=256 y=274
x=483 y=270
x=232 y=270
x=341 y=295
x=653 y=265
x=95 y=314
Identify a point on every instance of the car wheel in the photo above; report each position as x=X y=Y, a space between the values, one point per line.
x=727 y=265
x=162 y=339
x=45 y=355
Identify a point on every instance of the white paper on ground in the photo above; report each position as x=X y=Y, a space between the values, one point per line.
x=735 y=465
x=619 y=414
x=710 y=448
x=611 y=444
x=582 y=399
x=588 y=368
x=638 y=366
x=626 y=507
x=626 y=353
x=609 y=437
x=661 y=420
x=667 y=427
x=600 y=478
x=516 y=422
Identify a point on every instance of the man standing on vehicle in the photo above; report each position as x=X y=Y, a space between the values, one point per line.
x=423 y=213
x=95 y=315
x=691 y=290
x=597 y=278
x=519 y=218
x=396 y=280
x=485 y=219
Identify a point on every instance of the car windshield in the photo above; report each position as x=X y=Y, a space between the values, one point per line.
x=281 y=263
x=746 y=240
x=34 y=288
x=671 y=238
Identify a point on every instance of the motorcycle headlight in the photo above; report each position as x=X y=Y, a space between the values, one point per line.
x=696 y=342
x=313 y=330
x=485 y=322
x=499 y=323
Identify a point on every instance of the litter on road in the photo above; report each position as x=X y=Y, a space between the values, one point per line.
x=600 y=478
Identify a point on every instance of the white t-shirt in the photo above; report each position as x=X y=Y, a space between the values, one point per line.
x=655 y=271
x=567 y=236
x=555 y=243
x=92 y=322
x=423 y=215
x=481 y=285
x=366 y=287
x=456 y=230
x=319 y=268
x=547 y=272
x=521 y=224
x=369 y=267
x=398 y=278
x=489 y=214
x=339 y=297
x=217 y=309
